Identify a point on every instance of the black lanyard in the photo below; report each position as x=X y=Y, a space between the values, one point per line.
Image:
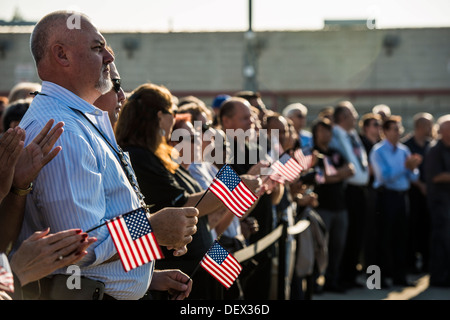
x=123 y=160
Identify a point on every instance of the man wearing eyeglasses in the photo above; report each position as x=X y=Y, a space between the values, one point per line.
x=88 y=185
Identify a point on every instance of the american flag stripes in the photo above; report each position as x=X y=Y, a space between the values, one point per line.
x=330 y=170
x=134 y=239
x=275 y=176
x=320 y=177
x=221 y=265
x=6 y=280
x=232 y=191
x=304 y=161
x=287 y=167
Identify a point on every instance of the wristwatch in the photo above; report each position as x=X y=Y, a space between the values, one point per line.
x=22 y=192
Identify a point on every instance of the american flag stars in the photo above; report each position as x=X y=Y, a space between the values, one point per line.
x=221 y=265
x=134 y=239
x=230 y=189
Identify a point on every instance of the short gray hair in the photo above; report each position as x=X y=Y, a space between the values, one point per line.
x=382 y=108
x=422 y=115
x=443 y=119
x=43 y=30
x=290 y=109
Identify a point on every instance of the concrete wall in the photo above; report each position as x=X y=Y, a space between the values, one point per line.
x=317 y=68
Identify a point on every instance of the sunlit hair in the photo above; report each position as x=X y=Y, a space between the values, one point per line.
x=186 y=102
x=322 y=122
x=367 y=118
x=138 y=123
x=181 y=119
x=228 y=109
x=390 y=120
x=192 y=109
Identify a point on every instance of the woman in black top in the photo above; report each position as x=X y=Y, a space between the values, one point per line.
x=143 y=129
x=330 y=191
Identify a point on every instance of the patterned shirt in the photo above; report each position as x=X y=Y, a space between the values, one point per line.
x=82 y=187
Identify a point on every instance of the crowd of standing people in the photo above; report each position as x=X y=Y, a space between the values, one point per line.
x=372 y=194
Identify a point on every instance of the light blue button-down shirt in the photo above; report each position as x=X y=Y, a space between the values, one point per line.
x=341 y=141
x=389 y=166
x=306 y=140
x=82 y=187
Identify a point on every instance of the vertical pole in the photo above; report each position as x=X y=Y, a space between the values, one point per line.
x=310 y=279
x=250 y=28
x=250 y=55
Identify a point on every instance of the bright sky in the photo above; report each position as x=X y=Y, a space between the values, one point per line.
x=232 y=15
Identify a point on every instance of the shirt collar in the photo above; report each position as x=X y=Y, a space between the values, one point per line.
x=338 y=128
x=389 y=145
x=69 y=98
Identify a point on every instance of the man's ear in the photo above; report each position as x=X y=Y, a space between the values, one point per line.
x=225 y=121
x=59 y=54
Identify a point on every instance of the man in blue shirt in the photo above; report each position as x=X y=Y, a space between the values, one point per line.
x=394 y=169
x=347 y=141
x=87 y=185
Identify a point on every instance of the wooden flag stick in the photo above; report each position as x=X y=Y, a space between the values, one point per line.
x=123 y=215
x=198 y=264
x=104 y=223
x=92 y=229
x=203 y=195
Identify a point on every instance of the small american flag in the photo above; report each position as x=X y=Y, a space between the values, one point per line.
x=6 y=280
x=134 y=239
x=330 y=170
x=221 y=265
x=287 y=167
x=275 y=176
x=304 y=161
x=320 y=177
x=232 y=191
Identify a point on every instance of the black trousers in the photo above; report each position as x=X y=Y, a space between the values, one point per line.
x=419 y=231
x=356 y=201
x=257 y=284
x=372 y=229
x=393 y=233
x=440 y=242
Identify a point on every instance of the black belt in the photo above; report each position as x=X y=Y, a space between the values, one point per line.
x=56 y=288
x=397 y=192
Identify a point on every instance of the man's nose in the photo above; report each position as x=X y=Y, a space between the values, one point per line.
x=121 y=95
x=108 y=57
